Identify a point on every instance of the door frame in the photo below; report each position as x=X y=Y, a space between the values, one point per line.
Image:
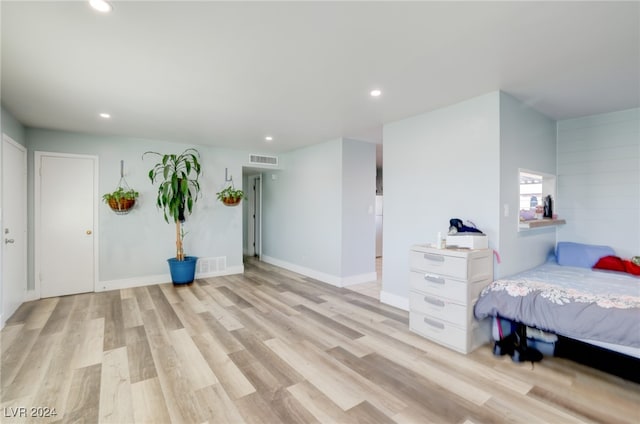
x=5 y=315
x=255 y=209
x=37 y=160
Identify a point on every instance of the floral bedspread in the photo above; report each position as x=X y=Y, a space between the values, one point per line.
x=573 y=302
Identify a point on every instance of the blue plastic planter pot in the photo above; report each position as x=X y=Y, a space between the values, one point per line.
x=183 y=272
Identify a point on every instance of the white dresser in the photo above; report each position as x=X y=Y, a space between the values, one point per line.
x=444 y=285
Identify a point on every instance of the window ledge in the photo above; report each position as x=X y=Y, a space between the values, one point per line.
x=540 y=223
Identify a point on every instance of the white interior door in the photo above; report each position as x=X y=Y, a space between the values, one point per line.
x=14 y=226
x=66 y=245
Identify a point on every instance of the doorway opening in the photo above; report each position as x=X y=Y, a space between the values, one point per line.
x=254 y=216
x=374 y=288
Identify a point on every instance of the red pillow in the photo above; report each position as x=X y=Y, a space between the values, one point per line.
x=614 y=263
x=631 y=268
x=611 y=263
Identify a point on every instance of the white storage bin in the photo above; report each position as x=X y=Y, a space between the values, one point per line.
x=468 y=241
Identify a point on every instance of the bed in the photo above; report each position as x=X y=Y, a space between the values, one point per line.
x=600 y=308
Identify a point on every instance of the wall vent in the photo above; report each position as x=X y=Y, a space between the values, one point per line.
x=263 y=160
x=211 y=265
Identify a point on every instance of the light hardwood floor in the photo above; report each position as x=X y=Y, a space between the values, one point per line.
x=371 y=288
x=271 y=346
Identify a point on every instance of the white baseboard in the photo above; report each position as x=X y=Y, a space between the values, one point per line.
x=31 y=295
x=317 y=275
x=359 y=279
x=149 y=280
x=394 y=300
x=126 y=283
x=321 y=276
x=1 y=322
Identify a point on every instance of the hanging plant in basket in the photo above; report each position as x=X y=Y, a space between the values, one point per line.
x=231 y=196
x=121 y=200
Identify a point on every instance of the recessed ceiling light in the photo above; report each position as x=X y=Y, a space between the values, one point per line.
x=268 y=138
x=101 y=6
x=105 y=115
x=375 y=93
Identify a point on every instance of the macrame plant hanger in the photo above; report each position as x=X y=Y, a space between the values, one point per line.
x=123 y=181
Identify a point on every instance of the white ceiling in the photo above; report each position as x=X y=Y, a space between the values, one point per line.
x=230 y=73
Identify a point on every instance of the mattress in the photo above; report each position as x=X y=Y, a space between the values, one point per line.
x=599 y=307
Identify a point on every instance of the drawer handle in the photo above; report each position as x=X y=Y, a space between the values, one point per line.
x=434 y=324
x=434 y=279
x=434 y=302
x=434 y=258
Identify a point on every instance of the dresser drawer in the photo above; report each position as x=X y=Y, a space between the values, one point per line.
x=438 y=285
x=439 y=331
x=440 y=308
x=449 y=335
x=459 y=291
x=439 y=264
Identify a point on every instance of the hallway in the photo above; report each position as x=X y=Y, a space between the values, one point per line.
x=371 y=288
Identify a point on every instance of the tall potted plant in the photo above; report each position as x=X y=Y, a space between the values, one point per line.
x=178 y=191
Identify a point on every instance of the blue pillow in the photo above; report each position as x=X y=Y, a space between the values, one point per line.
x=581 y=255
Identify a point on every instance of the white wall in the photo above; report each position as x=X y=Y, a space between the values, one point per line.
x=136 y=245
x=302 y=210
x=316 y=217
x=527 y=140
x=439 y=165
x=358 y=210
x=11 y=127
x=599 y=180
